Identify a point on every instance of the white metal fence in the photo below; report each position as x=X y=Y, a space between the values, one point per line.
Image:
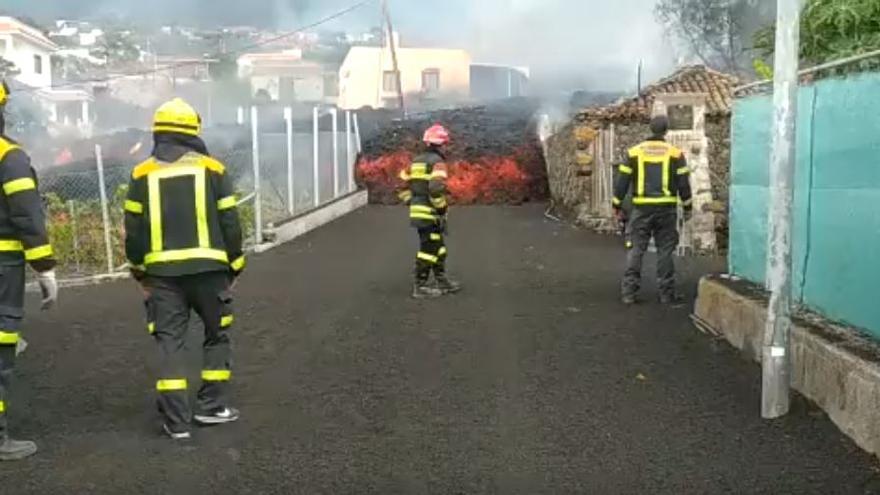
x=277 y=175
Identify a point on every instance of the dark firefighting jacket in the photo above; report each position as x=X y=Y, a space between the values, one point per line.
x=426 y=189
x=658 y=173
x=181 y=213
x=23 y=235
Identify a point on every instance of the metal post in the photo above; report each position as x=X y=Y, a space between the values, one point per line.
x=335 y=114
x=240 y=116
x=258 y=200
x=316 y=163
x=349 y=156
x=71 y=206
x=357 y=133
x=288 y=118
x=105 y=212
x=775 y=397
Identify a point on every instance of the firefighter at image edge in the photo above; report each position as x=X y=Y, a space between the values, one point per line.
x=659 y=176
x=425 y=193
x=23 y=239
x=184 y=245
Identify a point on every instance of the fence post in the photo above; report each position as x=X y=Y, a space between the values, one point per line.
x=288 y=118
x=105 y=212
x=316 y=184
x=357 y=133
x=240 y=116
x=334 y=112
x=349 y=157
x=258 y=200
x=71 y=205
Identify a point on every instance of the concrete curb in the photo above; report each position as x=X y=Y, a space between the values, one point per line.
x=309 y=221
x=832 y=365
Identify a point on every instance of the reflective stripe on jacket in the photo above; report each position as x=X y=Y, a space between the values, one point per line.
x=426 y=189
x=658 y=173
x=181 y=218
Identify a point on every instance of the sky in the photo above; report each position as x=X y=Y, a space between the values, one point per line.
x=568 y=44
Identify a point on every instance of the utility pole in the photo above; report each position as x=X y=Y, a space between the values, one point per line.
x=776 y=367
x=639 y=82
x=391 y=42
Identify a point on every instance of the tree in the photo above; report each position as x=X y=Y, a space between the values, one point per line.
x=831 y=29
x=718 y=32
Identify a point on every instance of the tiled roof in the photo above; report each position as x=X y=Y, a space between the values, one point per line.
x=717 y=86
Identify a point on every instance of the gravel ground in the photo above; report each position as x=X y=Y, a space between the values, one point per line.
x=533 y=380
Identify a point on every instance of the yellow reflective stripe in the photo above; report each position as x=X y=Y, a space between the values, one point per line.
x=226 y=321
x=430 y=258
x=655 y=201
x=227 y=203
x=442 y=251
x=216 y=375
x=19 y=185
x=405 y=196
x=666 y=165
x=421 y=209
x=134 y=207
x=202 y=208
x=625 y=170
x=171 y=385
x=10 y=245
x=640 y=186
x=238 y=264
x=2 y=407
x=439 y=174
x=151 y=327
x=38 y=252
x=175 y=128
x=404 y=175
x=422 y=216
x=439 y=202
x=186 y=254
x=8 y=338
x=683 y=171
x=155 y=195
x=436 y=237
x=616 y=202
x=418 y=168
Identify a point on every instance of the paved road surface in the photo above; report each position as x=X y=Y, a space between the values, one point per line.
x=533 y=381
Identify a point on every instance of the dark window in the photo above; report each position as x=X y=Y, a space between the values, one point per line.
x=681 y=117
x=38 y=64
x=389 y=82
x=431 y=80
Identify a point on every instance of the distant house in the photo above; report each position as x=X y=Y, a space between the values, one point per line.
x=493 y=81
x=30 y=51
x=427 y=75
x=286 y=77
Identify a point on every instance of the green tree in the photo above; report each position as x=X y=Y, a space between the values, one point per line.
x=831 y=29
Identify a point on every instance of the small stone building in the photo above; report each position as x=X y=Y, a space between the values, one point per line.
x=582 y=157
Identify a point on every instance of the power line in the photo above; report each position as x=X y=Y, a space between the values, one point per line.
x=241 y=51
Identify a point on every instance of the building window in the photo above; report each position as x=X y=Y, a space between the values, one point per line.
x=681 y=117
x=431 y=80
x=389 y=82
x=38 y=64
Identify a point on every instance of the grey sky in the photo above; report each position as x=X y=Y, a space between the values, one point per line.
x=573 y=43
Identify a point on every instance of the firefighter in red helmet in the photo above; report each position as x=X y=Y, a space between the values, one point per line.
x=425 y=194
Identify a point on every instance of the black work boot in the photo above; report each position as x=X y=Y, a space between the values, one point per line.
x=421 y=290
x=16 y=450
x=446 y=284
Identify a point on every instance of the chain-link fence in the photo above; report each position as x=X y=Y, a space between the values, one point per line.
x=280 y=175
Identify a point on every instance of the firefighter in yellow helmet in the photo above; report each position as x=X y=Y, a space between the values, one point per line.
x=184 y=244
x=23 y=239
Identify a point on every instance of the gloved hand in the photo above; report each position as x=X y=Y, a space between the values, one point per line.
x=49 y=288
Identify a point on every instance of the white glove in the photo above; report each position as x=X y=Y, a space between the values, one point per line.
x=49 y=288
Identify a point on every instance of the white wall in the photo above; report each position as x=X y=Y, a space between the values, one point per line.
x=21 y=52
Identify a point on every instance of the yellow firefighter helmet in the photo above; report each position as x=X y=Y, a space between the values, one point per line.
x=177 y=116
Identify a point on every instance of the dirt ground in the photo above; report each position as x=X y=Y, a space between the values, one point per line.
x=533 y=380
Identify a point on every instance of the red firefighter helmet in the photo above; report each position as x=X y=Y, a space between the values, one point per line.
x=436 y=135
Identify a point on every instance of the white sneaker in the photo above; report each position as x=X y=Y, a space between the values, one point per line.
x=218 y=416
x=176 y=433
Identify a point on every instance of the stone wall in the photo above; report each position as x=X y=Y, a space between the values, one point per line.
x=570 y=192
x=718 y=132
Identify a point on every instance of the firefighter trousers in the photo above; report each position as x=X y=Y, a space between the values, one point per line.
x=661 y=224
x=11 y=313
x=432 y=254
x=170 y=302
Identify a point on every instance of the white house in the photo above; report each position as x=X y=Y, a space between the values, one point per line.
x=285 y=76
x=30 y=51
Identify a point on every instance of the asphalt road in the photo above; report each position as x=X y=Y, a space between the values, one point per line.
x=533 y=380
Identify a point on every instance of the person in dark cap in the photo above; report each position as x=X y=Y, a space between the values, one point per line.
x=660 y=177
